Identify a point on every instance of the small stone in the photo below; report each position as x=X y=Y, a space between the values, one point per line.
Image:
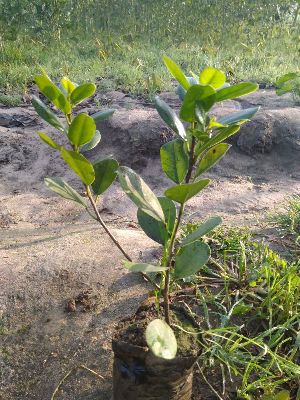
x=71 y=306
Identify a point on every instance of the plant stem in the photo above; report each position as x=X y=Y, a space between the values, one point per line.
x=191 y=161
x=102 y=223
x=173 y=238
x=169 y=265
x=104 y=226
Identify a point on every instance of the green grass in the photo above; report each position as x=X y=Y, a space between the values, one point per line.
x=248 y=304
x=288 y=221
x=125 y=63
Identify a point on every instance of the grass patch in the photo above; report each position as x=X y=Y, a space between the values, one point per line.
x=288 y=221
x=247 y=305
x=128 y=56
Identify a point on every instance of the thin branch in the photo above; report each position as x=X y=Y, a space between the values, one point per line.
x=102 y=223
x=105 y=227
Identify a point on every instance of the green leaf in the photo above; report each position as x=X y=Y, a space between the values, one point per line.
x=62 y=188
x=93 y=143
x=80 y=165
x=202 y=230
x=181 y=91
x=140 y=193
x=169 y=210
x=157 y=230
x=222 y=134
x=190 y=259
x=283 y=395
x=239 y=116
x=68 y=85
x=213 y=123
x=46 y=114
x=212 y=156
x=175 y=70
x=242 y=308
x=105 y=175
x=45 y=138
x=197 y=95
x=286 y=88
x=170 y=117
x=82 y=92
x=103 y=115
x=287 y=77
x=182 y=193
x=81 y=130
x=213 y=77
x=174 y=160
x=141 y=267
x=232 y=92
x=52 y=92
x=161 y=339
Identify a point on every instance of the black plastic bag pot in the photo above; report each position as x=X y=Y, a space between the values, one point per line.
x=139 y=375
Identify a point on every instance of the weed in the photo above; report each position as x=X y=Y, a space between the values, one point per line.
x=249 y=314
x=288 y=221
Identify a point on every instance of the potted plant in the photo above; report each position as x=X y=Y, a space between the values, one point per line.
x=152 y=361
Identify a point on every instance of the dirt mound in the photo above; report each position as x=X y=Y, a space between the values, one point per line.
x=133 y=136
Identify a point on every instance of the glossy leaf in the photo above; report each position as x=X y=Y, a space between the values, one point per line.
x=142 y=267
x=53 y=93
x=157 y=230
x=103 y=115
x=182 y=193
x=105 y=175
x=68 y=85
x=213 y=123
x=140 y=193
x=197 y=95
x=93 y=143
x=174 y=160
x=170 y=117
x=221 y=135
x=239 y=116
x=46 y=114
x=213 y=77
x=161 y=340
x=169 y=210
x=50 y=142
x=212 y=156
x=80 y=165
x=62 y=188
x=175 y=70
x=191 y=259
x=82 y=92
x=202 y=230
x=232 y=92
x=81 y=130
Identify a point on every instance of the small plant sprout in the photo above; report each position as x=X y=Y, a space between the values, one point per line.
x=289 y=83
x=197 y=146
x=82 y=135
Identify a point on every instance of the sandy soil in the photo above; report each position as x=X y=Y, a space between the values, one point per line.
x=52 y=255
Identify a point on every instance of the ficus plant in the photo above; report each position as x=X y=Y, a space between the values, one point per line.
x=198 y=145
x=79 y=132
